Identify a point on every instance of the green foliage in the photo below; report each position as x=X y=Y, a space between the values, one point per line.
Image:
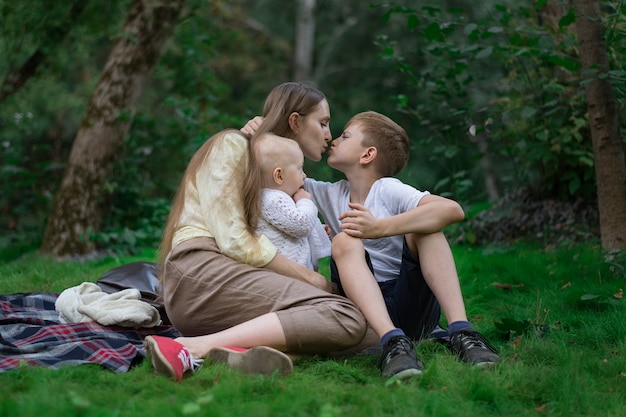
x=468 y=83
x=39 y=122
x=575 y=369
x=213 y=71
x=129 y=231
x=501 y=78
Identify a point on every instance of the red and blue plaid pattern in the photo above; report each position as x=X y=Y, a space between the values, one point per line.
x=31 y=334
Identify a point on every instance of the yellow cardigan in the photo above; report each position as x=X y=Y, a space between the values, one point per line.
x=213 y=206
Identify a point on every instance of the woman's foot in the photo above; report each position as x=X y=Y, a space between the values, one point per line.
x=170 y=358
x=257 y=360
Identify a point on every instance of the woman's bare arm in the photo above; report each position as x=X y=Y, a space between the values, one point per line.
x=287 y=267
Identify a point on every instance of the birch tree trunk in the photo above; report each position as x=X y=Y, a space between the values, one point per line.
x=305 y=40
x=100 y=138
x=608 y=144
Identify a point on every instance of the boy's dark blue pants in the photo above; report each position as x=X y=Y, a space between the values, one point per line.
x=411 y=304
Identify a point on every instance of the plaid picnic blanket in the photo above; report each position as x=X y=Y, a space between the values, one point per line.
x=32 y=334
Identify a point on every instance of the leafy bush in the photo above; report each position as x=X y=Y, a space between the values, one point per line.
x=504 y=89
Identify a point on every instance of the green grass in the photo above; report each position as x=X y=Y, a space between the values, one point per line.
x=555 y=315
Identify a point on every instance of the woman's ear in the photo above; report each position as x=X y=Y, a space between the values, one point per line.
x=277 y=175
x=294 y=122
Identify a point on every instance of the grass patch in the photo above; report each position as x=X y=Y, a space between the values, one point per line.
x=556 y=315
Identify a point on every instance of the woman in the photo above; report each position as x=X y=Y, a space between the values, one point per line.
x=223 y=285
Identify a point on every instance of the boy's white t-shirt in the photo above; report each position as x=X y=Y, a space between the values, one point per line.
x=387 y=197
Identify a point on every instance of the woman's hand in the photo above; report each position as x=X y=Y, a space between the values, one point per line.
x=333 y=288
x=285 y=266
x=252 y=126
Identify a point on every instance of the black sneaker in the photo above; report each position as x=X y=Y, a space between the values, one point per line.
x=440 y=335
x=398 y=360
x=471 y=347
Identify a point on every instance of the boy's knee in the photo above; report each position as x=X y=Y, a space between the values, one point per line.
x=344 y=244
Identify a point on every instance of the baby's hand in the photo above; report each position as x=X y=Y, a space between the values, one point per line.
x=300 y=194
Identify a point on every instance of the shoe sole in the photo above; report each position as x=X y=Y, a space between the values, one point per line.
x=406 y=374
x=159 y=363
x=485 y=365
x=257 y=360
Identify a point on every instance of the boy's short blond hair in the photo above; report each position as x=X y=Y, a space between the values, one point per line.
x=388 y=137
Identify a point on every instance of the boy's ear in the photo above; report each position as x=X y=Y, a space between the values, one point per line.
x=369 y=155
x=277 y=175
x=294 y=121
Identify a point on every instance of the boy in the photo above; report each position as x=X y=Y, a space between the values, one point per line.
x=389 y=252
x=288 y=215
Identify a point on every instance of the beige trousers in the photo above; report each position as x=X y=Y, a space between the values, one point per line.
x=205 y=292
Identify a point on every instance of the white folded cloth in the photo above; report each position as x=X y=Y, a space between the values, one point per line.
x=87 y=302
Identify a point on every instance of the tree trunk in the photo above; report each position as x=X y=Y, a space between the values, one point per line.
x=100 y=138
x=305 y=40
x=608 y=145
x=485 y=161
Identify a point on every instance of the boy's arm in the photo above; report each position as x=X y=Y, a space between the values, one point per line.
x=431 y=215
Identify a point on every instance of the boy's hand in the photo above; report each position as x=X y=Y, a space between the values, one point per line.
x=359 y=222
x=252 y=126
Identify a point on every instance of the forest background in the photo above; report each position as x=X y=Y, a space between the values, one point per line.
x=492 y=95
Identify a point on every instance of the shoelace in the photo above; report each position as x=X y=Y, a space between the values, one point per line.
x=473 y=340
x=397 y=349
x=400 y=348
x=189 y=362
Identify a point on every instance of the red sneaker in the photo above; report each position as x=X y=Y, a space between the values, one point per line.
x=170 y=358
x=257 y=360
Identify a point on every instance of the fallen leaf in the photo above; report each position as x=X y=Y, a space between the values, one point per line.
x=517 y=341
x=506 y=286
x=568 y=284
x=503 y=286
x=619 y=294
x=541 y=408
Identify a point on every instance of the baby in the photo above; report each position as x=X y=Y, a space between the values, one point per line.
x=288 y=214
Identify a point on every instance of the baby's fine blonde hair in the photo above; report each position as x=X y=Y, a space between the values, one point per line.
x=273 y=151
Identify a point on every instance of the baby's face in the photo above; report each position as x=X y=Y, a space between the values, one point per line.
x=293 y=171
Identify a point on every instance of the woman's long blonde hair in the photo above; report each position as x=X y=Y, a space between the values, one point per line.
x=281 y=102
x=195 y=164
